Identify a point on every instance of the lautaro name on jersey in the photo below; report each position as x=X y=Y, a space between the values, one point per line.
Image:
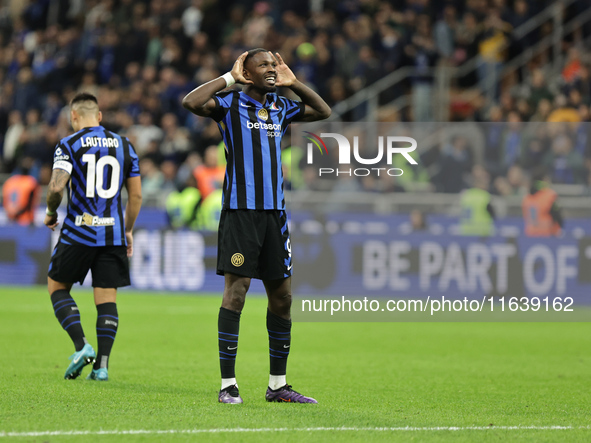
x=98 y=162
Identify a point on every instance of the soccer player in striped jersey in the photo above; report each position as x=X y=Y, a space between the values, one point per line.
x=92 y=165
x=253 y=238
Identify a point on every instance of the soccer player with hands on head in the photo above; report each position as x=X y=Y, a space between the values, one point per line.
x=253 y=236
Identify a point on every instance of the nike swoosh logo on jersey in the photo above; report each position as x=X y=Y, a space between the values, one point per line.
x=289 y=268
x=245 y=105
x=286 y=346
x=231 y=349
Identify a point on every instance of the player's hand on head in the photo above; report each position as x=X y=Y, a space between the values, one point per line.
x=129 y=238
x=238 y=70
x=285 y=76
x=51 y=221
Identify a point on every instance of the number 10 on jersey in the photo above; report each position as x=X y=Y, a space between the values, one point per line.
x=96 y=172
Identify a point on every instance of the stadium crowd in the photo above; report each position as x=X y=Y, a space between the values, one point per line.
x=141 y=57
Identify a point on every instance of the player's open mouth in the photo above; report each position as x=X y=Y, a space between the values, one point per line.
x=270 y=79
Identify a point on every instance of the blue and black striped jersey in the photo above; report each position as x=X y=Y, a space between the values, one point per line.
x=252 y=134
x=98 y=162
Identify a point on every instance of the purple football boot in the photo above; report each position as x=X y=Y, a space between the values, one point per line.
x=287 y=395
x=230 y=395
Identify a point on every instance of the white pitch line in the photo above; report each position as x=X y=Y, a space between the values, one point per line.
x=317 y=429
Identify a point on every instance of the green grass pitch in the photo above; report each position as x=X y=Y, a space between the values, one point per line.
x=164 y=377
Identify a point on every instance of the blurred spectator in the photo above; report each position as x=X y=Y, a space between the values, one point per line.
x=534 y=153
x=565 y=165
x=292 y=158
x=175 y=143
x=33 y=142
x=20 y=195
x=152 y=178
x=210 y=175
x=466 y=43
x=539 y=90
x=563 y=112
x=492 y=49
x=493 y=138
x=418 y=220
x=192 y=17
x=145 y=132
x=210 y=210
x=366 y=71
x=511 y=147
x=169 y=173
x=541 y=213
x=182 y=206
x=423 y=53
x=444 y=32
x=257 y=25
x=543 y=111
x=456 y=161
x=512 y=184
x=583 y=84
x=520 y=16
x=477 y=216
x=572 y=68
x=305 y=66
x=12 y=138
x=26 y=93
x=186 y=168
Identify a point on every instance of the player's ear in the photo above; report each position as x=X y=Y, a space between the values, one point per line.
x=100 y=116
x=245 y=72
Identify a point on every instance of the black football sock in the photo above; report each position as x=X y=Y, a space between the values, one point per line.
x=228 y=327
x=106 y=329
x=279 y=342
x=67 y=313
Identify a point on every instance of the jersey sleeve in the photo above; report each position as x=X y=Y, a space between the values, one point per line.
x=134 y=165
x=293 y=109
x=223 y=101
x=62 y=158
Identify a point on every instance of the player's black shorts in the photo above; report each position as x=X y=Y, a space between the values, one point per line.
x=254 y=243
x=109 y=265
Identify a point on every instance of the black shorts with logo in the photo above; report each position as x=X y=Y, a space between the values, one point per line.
x=254 y=243
x=109 y=265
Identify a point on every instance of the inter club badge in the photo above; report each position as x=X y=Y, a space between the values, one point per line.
x=263 y=114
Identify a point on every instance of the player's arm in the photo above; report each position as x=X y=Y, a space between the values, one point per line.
x=200 y=100
x=316 y=107
x=134 y=203
x=55 y=193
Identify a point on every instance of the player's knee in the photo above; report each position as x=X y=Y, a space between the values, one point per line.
x=235 y=294
x=53 y=286
x=281 y=302
x=240 y=287
x=234 y=301
x=50 y=286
